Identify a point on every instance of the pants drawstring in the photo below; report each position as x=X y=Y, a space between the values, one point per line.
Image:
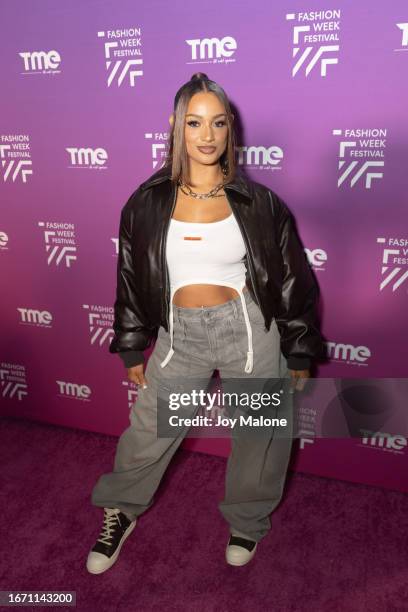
x=250 y=354
x=171 y=351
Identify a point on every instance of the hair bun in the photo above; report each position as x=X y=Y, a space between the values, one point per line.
x=198 y=76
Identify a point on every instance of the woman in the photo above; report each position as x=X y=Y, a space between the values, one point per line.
x=210 y=265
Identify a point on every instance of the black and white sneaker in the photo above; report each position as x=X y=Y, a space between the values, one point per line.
x=116 y=528
x=239 y=550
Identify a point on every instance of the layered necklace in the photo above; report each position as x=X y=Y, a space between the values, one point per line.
x=186 y=189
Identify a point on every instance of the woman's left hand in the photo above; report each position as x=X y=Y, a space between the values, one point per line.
x=298 y=379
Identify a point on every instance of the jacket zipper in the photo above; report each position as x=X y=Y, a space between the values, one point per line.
x=245 y=237
x=164 y=263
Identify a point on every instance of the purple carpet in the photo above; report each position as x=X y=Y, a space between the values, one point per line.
x=334 y=546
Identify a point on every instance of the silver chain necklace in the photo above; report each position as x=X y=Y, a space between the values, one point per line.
x=186 y=189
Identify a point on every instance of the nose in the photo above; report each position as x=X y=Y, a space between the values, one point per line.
x=207 y=134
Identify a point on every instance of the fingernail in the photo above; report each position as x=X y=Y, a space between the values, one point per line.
x=144 y=387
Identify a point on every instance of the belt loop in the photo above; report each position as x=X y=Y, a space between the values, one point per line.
x=234 y=306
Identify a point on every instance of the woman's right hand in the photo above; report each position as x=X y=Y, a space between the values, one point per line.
x=136 y=375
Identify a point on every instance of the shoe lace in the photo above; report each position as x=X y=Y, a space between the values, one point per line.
x=109 y=522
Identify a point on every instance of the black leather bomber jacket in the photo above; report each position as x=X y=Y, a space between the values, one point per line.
x=278 y=275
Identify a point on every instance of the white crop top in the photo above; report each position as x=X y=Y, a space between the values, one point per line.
x=207 y=253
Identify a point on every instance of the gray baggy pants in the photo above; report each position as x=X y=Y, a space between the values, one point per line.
x=205 y=339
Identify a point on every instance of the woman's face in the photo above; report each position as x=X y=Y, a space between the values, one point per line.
x=205 y=126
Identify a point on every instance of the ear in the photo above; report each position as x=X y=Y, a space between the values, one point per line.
x=171 y=119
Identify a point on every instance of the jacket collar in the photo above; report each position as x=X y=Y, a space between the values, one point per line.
x=239 y=182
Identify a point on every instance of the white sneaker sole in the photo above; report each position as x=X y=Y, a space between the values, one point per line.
x=113 y=558
x=244 y=559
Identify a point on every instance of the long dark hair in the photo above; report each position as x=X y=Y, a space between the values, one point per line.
x=177 y=156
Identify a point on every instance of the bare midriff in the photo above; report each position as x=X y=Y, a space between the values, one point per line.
x=202 y=211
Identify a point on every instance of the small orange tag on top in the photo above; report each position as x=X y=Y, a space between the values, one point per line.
x=192 y=237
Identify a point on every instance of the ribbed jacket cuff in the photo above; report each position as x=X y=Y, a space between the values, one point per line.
x=131 y=358
x=299 y=363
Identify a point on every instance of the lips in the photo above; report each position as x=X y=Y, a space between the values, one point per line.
x=207 y=150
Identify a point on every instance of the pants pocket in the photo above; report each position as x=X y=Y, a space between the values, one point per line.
x=255 y=315
x=179 y=334
x=238 y=336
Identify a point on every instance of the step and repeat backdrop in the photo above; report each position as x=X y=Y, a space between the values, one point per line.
x=320 y=96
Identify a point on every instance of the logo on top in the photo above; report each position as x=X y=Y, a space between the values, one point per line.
x=15 y=157
x=404 y=35
x=13 y=381
x=315 y=38
x=100 y=321
x=383 y=441
x=361 y=155
x=260 y=157
x=60 y=242
x=212 y=50
x=81 y=157
x=348 y=353
x=74 y=390
x=158 y=144
x=123 y=51
x=394 y=270
x=41 y=62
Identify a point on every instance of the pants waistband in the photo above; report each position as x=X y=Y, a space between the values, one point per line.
x=219 y=311
x=231 y=308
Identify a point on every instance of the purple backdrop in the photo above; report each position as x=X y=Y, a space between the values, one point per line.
x=87 y=89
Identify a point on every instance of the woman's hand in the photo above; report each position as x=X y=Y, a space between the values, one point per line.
x=136 y=375
x=298 y=379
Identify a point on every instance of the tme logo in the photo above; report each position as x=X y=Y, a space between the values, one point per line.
x=316 y=258
x=263 y=158
x=91 y=158
x=404 y=28
x=383 y=441
x=73 y=390
x=216 y=49
x=35 y=317
x=3 y=240
x=355 y=355
x=41 y=61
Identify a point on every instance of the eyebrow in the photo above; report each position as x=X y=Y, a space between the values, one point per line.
x=194 y=115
